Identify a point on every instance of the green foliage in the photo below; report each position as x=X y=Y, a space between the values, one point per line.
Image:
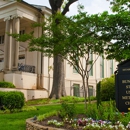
x=108 y=88
x=125 y=118
x=71 y=99
x=68 y=99
x=105 y=111
x=68 y=110
x=38 y=101
x=46 y=115
x=28 y=108
x=115 y=30
x=98 y=93
x=6 y=85
x=120 y=5
x=1 y=97
x=13 y=100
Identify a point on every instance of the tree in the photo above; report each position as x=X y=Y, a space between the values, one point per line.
x=116 y=32
x=58 y=87
x=77 y=38
x=120 y=5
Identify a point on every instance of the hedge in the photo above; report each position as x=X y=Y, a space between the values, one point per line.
x=12 y=100
x=4 y=84
x=108 y=88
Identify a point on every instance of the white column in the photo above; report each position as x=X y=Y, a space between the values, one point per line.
x=15 y=44
x=10 y=44
x=39 y=61
x=6 y=46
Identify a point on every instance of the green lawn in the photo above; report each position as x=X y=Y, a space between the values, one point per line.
x=16 y=121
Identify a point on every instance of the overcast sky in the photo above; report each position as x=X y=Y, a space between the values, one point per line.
x=91 y=6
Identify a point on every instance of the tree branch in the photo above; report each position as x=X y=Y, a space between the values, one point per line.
x=55 y=5
x=66 y=9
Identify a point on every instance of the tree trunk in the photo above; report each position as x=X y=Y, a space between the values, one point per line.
x=85 y=91
x=58 y=87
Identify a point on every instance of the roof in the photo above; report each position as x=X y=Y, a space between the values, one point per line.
x=38 y=7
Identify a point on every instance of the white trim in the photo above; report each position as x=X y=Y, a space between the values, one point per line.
x=4 y=5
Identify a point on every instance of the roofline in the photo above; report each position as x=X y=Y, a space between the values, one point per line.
x=31 y=5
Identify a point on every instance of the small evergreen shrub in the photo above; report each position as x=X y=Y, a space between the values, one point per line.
x=4 y=84
x=98 y=93
x=13 y=100
x=1 y=98
x=108 y=88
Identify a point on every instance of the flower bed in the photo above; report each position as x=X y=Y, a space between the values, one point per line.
x=56 y=123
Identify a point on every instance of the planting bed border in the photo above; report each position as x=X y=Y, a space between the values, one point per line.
x=31 y=125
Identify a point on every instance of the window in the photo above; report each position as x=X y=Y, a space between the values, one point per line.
x=22 y=32
x=76 y=90
x=91 y=60
x=1 y=59
x=101 y=67
x=111 y=67
x=2 y=39
x=90 y=90
x=21 y=57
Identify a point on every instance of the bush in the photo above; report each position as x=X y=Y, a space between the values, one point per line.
x=6 y=85
x=1 y=96
x=13 y=100
x=68 y=110
x=105 y=111
x=108 y=88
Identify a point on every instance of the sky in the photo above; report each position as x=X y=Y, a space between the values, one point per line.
x=91 y=6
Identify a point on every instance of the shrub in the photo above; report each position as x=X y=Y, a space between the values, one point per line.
x=68 y=109
x=105 y=111
x=98 y=93
x=46 y=115
x=71 y=99
x=13 y=100
x=1 y=96
x=108 y=88
x=6 y=85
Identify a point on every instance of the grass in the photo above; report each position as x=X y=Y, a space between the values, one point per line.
x=16 y=121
